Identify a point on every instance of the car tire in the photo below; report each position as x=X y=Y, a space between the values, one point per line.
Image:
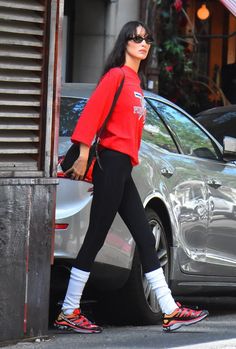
x=136 y=303
x=139 y=294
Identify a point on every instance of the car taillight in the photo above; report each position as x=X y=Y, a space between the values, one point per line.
x=61 y=226
x=60 y=173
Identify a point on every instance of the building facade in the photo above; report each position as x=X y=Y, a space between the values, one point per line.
x=29 y=99
x=89 y=32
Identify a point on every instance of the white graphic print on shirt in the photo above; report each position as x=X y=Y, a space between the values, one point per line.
x=141 y=109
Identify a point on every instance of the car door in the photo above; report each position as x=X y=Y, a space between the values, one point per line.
x=219 y=254
x=221 y=239
x=181 y=177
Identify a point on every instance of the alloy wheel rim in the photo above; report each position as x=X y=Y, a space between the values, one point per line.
x=162 y=253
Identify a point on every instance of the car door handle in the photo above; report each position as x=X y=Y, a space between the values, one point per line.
x=166 y=172
x=214 y=183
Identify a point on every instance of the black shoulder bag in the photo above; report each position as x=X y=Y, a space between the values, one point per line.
x=74 y=151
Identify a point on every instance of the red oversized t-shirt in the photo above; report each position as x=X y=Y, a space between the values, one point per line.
x=124 y=128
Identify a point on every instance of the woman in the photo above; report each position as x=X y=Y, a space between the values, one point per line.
x=114 y=189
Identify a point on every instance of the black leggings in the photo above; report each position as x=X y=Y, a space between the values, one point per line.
x=115 y=191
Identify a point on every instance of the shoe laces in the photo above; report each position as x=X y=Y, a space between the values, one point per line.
x=81 y=317
x=186 y=311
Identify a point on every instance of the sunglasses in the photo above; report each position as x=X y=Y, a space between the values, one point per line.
x=138 y=39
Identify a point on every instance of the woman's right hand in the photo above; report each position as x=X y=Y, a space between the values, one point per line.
x=77 y=171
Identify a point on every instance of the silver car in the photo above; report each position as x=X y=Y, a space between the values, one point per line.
x=187 y=184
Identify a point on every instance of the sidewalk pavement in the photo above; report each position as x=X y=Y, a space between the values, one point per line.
x=123 y=338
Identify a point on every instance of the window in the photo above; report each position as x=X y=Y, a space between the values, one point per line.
x=191 y=138
x=71 y=109
x=220 y=123
x=155 y=132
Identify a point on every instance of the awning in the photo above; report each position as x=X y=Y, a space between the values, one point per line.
x=231 y=5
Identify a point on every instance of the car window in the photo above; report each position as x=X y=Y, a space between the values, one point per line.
x=155 y=132
x=192 y=139
x=71 y=109
x=219 y=124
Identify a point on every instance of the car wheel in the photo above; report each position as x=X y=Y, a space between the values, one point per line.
x=162 y=249
x=136 y=302
x=142 y=297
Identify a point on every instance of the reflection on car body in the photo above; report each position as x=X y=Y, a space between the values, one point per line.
x=184 y=181
x=192 y=200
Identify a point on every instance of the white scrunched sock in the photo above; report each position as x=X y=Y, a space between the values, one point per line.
x=78 y=279
x=158 y=283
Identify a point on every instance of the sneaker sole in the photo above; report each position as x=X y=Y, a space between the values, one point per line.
x=179 y=324
x=75 y=329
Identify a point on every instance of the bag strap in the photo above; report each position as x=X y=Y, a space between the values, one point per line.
x=116 y=96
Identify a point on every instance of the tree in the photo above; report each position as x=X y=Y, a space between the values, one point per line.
x=178 y=78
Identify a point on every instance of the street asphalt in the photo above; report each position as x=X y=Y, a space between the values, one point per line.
x=215 y=332
x=128 y=338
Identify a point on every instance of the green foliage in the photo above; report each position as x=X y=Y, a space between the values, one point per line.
x=177 y=72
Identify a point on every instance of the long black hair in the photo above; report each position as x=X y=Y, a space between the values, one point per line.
x=117 y=56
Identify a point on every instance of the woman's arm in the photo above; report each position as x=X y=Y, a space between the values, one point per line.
x=97 y=108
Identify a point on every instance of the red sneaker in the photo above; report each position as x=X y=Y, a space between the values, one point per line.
x=182 y=317
x=76 y=322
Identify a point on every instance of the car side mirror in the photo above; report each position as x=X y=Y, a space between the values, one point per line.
x=229 y=148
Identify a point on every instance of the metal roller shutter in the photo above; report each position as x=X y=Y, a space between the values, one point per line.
x=22 y=70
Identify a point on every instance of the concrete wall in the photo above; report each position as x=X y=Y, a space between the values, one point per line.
x=26 y=225
x=96 y=25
